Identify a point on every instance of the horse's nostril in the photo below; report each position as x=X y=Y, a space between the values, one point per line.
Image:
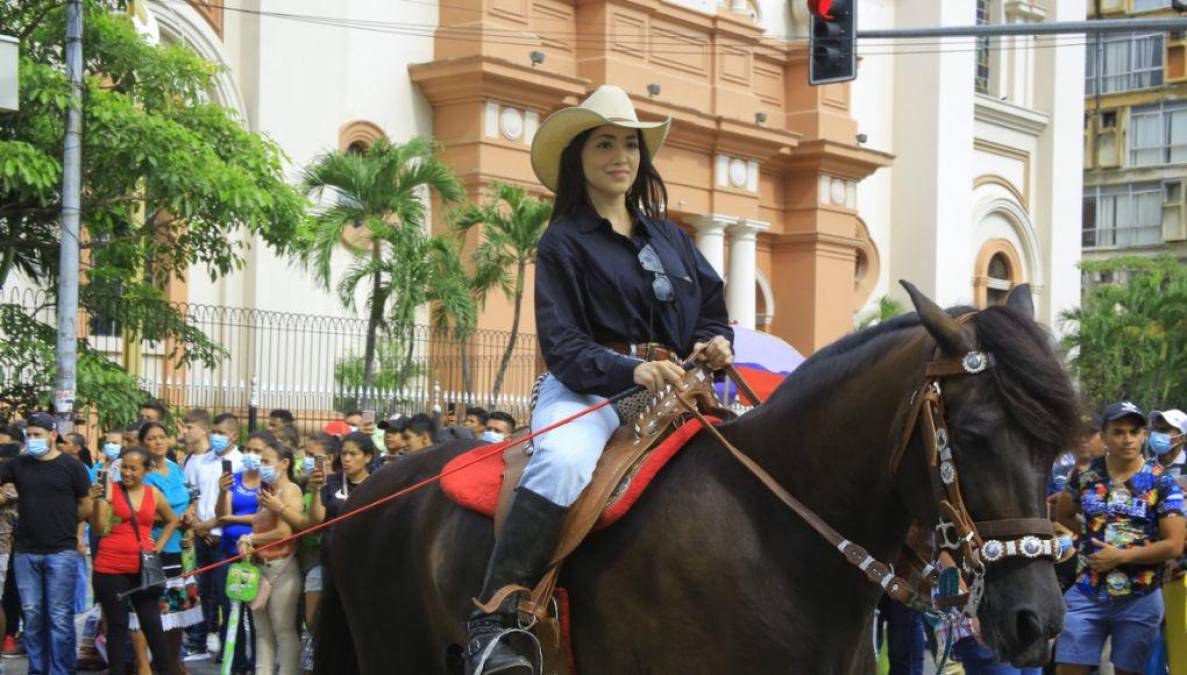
x=1029 y=628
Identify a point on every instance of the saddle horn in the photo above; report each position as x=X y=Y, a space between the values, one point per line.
x=942 y=327
x=1021 y=299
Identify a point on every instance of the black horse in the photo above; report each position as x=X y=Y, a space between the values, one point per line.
x=709 y=572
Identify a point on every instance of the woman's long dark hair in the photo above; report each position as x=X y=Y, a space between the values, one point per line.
x=648 y=193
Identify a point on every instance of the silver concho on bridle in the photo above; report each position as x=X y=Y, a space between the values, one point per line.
x=975 y=362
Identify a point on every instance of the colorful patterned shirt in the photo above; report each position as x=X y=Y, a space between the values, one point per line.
x=1124 y=515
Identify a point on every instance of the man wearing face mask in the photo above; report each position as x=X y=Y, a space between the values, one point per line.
x=1168 y=435
x=499 y=427
x=204 y=470
x=53 y=491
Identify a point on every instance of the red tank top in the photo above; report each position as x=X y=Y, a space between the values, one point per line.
x=118 y=552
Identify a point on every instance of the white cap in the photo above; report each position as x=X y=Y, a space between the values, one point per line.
x=1174 y=417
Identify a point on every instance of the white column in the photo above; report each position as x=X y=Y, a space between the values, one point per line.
x=711 y=238
x=931 y=240
x=1057 y=208
x=740 y=286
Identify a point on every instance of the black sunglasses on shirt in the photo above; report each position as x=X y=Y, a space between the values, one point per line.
x=661 y=285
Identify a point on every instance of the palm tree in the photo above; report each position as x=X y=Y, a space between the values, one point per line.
x=513 y=223
x=384 y=190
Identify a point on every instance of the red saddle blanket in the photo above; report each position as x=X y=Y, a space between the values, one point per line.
x=476 y=487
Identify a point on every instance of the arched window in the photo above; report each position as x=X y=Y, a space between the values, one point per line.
x=358 y=135
x=998 y=269
x=999 y=284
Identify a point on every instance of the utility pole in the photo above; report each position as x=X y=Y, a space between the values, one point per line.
x=68 y=262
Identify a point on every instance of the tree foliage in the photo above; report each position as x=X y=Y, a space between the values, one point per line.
x=384 y=191
x=512 y=223
x=170 y=180
x=887 y=309
x=1128 y=339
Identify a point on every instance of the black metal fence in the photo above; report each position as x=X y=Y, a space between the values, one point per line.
x=312 y=364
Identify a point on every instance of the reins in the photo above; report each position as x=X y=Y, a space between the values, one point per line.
x=485 y=454
x=978 y=542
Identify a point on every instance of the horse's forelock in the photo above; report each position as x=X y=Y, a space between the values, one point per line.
x=1035 y=388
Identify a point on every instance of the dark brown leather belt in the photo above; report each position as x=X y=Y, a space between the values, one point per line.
x=649 y=351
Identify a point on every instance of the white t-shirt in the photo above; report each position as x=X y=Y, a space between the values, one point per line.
x=205 y=470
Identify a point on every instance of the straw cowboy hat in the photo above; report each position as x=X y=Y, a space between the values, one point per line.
x=607 y=105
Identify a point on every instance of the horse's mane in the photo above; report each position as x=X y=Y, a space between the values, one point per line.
x=1034 y=387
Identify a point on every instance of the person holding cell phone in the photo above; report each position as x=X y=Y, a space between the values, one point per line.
x=123 y=517
x=276 y=620
x=317 y=457
x=235 y=510
x=355 y=459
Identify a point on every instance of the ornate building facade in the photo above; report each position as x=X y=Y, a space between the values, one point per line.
x=950 y=163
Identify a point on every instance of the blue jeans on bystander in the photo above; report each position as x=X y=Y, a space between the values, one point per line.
x=904 y=636
x=977 y=659
x=80 y=591
x=47 y=582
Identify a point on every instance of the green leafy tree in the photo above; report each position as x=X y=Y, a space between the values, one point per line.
x=170 y=181
x=384 y=192
x=1128 y=339
x=512 y=223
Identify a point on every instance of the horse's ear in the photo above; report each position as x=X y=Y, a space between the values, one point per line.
x=943 y=328
x=1021 y=299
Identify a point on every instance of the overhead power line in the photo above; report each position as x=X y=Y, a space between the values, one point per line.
x=892 y=43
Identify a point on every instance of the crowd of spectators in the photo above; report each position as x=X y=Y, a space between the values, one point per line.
x=195 y=490
x=1116 y=502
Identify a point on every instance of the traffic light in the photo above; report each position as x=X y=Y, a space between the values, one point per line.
x=832 y=44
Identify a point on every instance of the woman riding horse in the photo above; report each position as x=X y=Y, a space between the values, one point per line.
x=621 y=294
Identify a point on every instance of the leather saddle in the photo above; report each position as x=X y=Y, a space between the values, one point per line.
x=625 y=453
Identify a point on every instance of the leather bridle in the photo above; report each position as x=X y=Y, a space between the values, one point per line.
x=977 y=543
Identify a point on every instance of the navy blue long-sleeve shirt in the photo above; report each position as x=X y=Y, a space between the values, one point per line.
x=591 y=290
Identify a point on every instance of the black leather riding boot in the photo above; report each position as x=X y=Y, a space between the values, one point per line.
x=520 y=557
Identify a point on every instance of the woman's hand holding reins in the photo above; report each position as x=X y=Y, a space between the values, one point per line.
x=655 y=374
x=716 y=353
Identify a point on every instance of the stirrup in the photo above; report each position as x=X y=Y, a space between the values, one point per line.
x=538 y=669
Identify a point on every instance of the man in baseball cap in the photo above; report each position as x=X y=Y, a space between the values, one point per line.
x=1132 y=523
x=55 y=496
x=1122 y=410
x=1168 y=434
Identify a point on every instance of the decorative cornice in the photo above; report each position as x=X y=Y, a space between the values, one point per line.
x=992 y=111
x=838 y=159
x=481 y=78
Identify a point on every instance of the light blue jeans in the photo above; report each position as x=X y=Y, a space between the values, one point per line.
x=80 y=591
x=564 y=459
x=46 y=582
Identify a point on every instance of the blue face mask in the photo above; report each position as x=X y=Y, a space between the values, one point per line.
x=219 y=442
x=251 y=462
x=493 y=436
x=111 y=451
x=1160 y=443
x=37 y=447
x=268 y=474
x=1065 y=543
x=308 y=463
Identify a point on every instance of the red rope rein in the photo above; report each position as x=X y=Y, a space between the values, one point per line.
x=482 y=456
